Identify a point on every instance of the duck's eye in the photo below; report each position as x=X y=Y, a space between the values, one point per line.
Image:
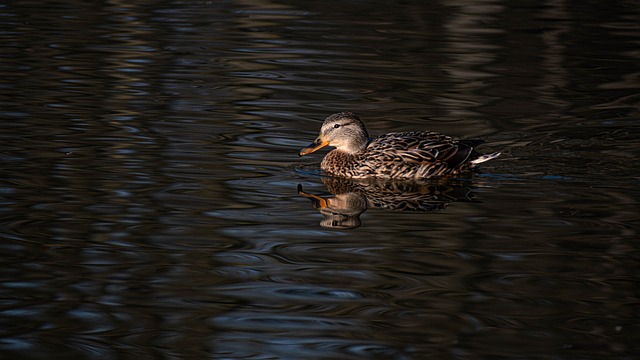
x=336 y=126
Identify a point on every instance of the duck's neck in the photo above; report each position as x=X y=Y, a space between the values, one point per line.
x=354 y=146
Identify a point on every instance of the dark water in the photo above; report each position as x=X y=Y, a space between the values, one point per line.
x=149 y=191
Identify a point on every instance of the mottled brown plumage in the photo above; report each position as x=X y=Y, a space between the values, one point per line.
x=414 y=155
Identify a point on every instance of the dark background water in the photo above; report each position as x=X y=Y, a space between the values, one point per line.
x=149 y=204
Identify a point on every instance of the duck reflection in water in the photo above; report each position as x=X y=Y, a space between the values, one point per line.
x=351 y=198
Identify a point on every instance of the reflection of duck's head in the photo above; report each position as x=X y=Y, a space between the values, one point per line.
x=341 y=211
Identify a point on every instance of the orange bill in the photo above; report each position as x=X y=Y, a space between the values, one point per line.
x=313 y=147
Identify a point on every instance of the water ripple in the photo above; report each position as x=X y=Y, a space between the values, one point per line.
x=149 y=194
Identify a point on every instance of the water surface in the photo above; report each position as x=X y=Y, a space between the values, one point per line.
x=149 y=192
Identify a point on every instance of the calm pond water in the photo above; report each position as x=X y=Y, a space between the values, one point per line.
x=150 y=181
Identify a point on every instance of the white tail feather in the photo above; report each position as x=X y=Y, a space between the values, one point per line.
x=484 y=157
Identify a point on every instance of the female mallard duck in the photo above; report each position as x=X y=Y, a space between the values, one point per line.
x=414 y=155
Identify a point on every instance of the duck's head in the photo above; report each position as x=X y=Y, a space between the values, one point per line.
x=344 y=130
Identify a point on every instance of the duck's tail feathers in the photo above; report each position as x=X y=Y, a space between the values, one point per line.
x=484 y=157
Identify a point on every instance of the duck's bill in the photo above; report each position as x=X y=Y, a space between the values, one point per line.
x=313 y=147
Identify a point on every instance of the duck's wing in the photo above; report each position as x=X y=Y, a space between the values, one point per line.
x=428 y=153
x=462 y=152
x=425 y=147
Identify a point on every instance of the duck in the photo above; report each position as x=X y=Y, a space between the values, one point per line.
x=413 y=155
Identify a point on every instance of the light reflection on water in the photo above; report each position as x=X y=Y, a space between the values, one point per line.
x=150 y=203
